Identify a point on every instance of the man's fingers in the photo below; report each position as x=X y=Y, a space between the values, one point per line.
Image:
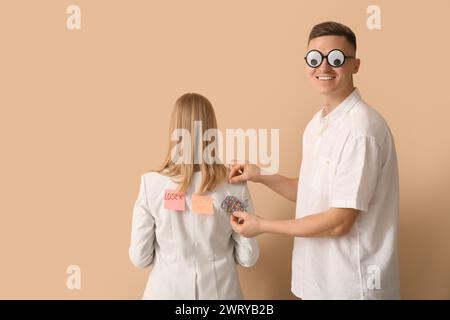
x=235 y=223
x=233 y=220
x=235 y=170
x=237 y=219
x=238 y=179
x=240 y=214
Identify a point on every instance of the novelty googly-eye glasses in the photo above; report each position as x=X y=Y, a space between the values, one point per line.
x=336 y=58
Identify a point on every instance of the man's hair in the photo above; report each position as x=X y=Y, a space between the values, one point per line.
x=331 y=28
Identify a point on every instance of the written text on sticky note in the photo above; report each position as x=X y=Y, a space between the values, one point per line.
x=174 y=200
x=202 y=204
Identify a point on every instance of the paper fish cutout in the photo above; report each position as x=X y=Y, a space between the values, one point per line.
x=232 y=204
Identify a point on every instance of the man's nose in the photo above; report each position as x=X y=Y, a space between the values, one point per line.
x=324 y=67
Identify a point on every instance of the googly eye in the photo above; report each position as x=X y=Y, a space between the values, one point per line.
x=314 y=58
x=336 y=58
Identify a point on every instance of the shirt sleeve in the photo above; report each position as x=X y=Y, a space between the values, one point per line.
x=355 y=178
x=246 y=250
x=142 y=247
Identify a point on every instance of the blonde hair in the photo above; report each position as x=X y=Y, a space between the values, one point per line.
x=189 y=108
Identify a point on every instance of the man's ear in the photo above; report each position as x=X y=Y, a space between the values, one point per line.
x=356 y=64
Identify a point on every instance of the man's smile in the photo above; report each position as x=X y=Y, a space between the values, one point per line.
x=325 y=77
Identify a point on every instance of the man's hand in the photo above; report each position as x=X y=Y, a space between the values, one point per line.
x=247 y=225
x=244 y=172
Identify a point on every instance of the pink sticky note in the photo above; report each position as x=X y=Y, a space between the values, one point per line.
x=174 y=200
x=202 y=204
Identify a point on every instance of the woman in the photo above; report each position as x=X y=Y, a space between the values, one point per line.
x=181 y=219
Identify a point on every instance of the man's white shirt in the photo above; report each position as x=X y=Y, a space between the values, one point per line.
x=349 y=161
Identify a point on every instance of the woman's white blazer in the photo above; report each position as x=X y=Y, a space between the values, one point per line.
x=194 y=256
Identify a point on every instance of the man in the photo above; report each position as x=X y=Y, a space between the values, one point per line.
x=347 y=194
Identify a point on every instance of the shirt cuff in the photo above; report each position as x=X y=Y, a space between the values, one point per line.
x=354 y=204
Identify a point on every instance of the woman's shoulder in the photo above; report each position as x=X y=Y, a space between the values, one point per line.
x=155 y=177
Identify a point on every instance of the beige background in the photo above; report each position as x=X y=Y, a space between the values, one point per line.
x=85 y=112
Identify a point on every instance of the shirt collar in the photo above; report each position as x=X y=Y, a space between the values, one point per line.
x=341 y=109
